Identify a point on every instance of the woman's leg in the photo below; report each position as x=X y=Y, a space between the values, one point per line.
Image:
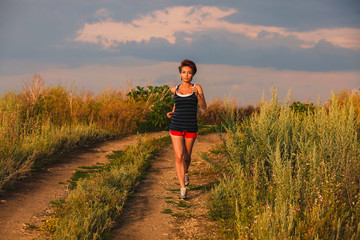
x=189 y=143
x=180 y=151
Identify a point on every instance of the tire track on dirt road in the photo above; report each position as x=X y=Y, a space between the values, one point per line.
x=29 y=203
x=144 y=216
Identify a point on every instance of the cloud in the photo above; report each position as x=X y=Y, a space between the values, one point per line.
x=167 y=23
x=342 y=37
x=103 y=14
x=159 y=24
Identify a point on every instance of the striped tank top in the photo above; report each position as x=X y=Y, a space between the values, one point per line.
x=185 y=115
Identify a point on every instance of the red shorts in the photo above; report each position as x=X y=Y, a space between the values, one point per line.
x=184 y=134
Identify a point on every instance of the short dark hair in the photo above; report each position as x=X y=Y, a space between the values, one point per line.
x=188 y=63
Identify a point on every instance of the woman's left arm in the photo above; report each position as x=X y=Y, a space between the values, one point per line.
x=200 y=95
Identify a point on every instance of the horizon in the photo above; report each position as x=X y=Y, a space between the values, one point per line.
x=75 y=89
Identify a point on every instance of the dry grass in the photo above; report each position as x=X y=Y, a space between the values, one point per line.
x=41 y=121
x=222 y=110
x=290 y=175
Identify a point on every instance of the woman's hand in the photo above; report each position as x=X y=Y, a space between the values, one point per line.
x=195 y=90
x=170 y=114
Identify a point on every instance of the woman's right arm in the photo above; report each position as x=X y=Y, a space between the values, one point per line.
x=170 y=114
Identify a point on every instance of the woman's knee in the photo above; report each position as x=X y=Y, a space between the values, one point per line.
x=179 y=158
x=184 y=157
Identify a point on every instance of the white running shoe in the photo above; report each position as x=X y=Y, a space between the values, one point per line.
x=182 y=194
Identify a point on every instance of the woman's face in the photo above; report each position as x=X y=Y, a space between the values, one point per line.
x=186 y=74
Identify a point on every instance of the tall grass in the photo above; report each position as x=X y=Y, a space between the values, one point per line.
x=220 y=110
x=45 y=120
x=19 y=154
x=31 y=133
x=292 y=175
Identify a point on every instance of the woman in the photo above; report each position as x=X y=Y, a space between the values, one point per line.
x=183 y=126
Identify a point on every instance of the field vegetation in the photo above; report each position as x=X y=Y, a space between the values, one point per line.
x=219 y=111
x=291 y=172
x=42 y=121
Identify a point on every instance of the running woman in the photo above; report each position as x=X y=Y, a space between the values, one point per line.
x=183 y=126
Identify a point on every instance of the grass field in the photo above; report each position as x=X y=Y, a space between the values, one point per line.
x=42 y=121
x=291 y=174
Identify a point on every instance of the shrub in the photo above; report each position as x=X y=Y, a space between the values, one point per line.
x=159 y=101
x=303 y=108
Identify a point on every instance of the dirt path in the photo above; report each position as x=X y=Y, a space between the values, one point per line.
x=30 y=202
x=154 y=212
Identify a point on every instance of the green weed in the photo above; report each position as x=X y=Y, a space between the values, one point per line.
x=181 y=204
x=167 y=211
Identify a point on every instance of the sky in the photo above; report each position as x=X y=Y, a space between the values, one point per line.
x=243 y=48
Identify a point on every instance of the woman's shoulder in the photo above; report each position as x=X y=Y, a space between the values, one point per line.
x=198 y=86
x=173 y=89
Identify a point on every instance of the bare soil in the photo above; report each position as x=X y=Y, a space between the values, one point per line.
x=152 y=212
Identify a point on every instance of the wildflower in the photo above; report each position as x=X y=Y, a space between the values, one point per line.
x=320 y=198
